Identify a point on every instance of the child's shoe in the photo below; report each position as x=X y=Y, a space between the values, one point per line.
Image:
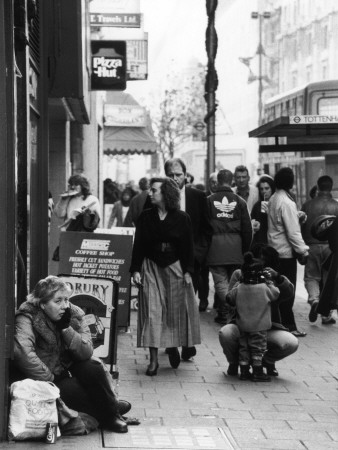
x=245 y=372
x=259 y=375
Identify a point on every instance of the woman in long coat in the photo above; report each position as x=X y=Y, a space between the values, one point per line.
x=162 y=263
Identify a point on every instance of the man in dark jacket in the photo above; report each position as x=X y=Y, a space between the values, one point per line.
x=137 y=203
x=322 y=204
x=231 y=236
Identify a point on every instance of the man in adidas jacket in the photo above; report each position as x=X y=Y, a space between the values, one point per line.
x=231 y=236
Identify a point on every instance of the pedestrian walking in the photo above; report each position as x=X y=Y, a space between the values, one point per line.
x=120 y=208
x=162 y=263
x=231 y=236
x=137 y=203
x=193 y=202
x=248 y=192
x=75 y=201
x=259 y=213
x=319 y=251
x=284 y=235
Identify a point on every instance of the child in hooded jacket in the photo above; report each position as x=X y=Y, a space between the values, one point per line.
x=252 y=298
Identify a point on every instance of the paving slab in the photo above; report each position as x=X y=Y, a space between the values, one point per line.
x=172 y=438
x=198 y=406
x=297 y=410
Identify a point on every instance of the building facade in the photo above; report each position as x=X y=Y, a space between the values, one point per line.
x=300 y=41
x=50 y=129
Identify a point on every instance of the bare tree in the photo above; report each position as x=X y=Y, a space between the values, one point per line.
x=181 y=107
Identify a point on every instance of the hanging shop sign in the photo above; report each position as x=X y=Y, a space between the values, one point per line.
x=108 y=71
x=100 y=255
x=115 y=20
x=137 y=59
x=124 y=116
x=118 y=6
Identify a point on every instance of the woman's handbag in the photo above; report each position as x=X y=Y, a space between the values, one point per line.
x=33 y=404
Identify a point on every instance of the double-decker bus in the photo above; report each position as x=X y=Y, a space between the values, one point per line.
x=319 y=98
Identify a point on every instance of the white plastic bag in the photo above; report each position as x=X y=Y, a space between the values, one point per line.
x=33 y=404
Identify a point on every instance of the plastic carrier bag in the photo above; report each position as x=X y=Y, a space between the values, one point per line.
x=33 y=404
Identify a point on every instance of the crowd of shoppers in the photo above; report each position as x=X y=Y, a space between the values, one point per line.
x=250 y=238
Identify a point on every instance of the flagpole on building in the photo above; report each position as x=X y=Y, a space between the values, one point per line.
x=211 y=84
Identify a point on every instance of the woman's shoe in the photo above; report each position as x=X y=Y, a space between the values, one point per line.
x=298 y=333
x=153 y=372
x=124 y=407
x=174 y=357
x=188 y=352
x=118 y=425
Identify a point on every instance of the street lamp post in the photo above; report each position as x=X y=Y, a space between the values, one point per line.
x=211 y=84
x=260 y=52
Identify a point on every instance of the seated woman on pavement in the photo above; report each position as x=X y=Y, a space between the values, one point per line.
x=280 y=342
x=52 y=342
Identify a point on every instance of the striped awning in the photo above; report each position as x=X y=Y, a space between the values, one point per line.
x=128 y=140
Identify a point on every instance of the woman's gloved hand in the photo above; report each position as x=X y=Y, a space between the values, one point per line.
x=64 y=322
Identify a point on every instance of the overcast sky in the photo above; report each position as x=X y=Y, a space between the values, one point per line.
x=176 y=33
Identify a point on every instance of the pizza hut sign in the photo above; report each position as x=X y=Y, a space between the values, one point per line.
x=108 y=65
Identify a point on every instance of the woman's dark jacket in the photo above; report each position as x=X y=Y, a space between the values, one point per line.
x=163 y=241
x=261 y=236
x=329 y=296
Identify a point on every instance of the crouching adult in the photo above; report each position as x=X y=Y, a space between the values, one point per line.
x=52 y=342
x=280 y=342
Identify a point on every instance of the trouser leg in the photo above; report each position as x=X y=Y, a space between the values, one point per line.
x=280 y=344
x=312 y=273
x=288 y=268
x=195 y=275
x=94 y=378
x=229 y=340
x=76 y=397
x=257 y=345
x=221 y=282
x=203 y=285
x=244 y=351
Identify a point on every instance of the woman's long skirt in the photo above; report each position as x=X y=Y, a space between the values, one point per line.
x=168 y=314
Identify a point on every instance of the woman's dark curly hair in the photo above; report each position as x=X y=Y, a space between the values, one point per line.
x=269 y=254
x=266 y=179
x=284 y=178
x=170 y=191
x=80 y=180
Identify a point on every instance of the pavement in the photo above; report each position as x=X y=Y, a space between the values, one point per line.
x=197 y=406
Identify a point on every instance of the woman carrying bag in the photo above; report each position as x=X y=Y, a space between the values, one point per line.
x=162 y=262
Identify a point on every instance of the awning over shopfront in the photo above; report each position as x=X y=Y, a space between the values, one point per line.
x=132 y=139
x=298 y=133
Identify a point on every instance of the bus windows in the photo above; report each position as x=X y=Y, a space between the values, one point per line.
x=328 y=106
